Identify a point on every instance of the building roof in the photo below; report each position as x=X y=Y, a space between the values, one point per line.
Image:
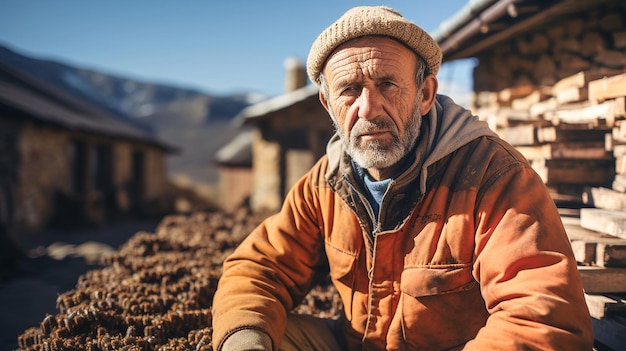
x=277 y=105
x=40 y=101
x=238 y=152
x=481 y=24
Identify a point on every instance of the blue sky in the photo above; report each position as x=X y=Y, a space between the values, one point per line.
x=218 y=47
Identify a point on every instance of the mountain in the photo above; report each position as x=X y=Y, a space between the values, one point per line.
x=196 y=122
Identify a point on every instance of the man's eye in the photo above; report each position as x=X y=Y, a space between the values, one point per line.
x=350 y=91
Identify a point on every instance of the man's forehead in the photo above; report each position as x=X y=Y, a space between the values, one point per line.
x=368 y=52
x=369 y=41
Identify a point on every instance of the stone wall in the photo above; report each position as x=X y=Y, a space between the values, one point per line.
x=43 y=170
x=266 y=160
x=155 y=186
x=9 y=163
x=285 y=147
x=45 y=192
x=235 y=186
x=156 y=201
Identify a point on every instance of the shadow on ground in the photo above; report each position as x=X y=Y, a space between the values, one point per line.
x=51 y=264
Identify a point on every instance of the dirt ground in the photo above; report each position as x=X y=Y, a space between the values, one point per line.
x=55 y=260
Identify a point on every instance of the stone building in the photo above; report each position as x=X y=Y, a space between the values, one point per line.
x=289 y=133
x=63 y=160
x=234 y=162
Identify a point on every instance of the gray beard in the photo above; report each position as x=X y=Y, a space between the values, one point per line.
x=374 y=154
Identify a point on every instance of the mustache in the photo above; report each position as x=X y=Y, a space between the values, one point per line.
x=368 y=126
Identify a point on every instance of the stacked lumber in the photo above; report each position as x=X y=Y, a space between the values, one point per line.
x=605 y=213
x=601 y=256
x=573 y=133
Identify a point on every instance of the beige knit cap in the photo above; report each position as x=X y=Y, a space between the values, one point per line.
x=372 y=20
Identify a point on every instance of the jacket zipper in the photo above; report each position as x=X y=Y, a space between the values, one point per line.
x=376 y=228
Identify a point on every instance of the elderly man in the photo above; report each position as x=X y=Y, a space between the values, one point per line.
x=437 y=234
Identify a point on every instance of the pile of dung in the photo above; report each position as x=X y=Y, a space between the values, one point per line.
x=155 y=292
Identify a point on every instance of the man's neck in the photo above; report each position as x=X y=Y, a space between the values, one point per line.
x=379 y=174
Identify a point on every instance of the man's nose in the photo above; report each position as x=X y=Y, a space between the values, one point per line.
x=369 y=104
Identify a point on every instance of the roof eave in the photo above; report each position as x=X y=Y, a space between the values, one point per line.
x=256 y=112
x=474 y=29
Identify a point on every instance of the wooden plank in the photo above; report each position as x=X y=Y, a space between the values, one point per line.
x=539 y=109
x=576 y=80
x=582 y=78
x=619 y=150
x=506 y=95
x=571 y=94
x=515 y=117
x=575 y=231
x=576 y=150
x=524 y=103
x=552 y=176
x=575 y=171
x=585 y=113
x=609 y=255
x=619 y=183
x=604 y=221
x=619 y=131
x=603 y=306
x=561 y=134
x=594 y=248
x=601 y=280
x=605 y=198
x=619 y=106
x=523 y=134
x=566 y=199
x=607 y=88
x=569 y=214
x=584 y=252
x=609 y=143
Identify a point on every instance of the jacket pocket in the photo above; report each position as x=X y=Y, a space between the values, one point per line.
x=341 y=262
x=435 y=302
x=436 y=279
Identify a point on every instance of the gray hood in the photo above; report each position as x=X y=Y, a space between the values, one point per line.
x=452 y=126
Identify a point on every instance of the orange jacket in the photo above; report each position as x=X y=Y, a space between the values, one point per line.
x=469 y=252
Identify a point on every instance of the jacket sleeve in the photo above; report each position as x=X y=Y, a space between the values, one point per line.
x=526 y=269
x=271 y=271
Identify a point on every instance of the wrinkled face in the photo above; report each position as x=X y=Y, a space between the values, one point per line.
x=374 y=100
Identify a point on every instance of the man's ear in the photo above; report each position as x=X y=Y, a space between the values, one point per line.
x=429 y=92
x=323 y=100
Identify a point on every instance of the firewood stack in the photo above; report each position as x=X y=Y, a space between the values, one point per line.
x=574 y=135
x=156 y=291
